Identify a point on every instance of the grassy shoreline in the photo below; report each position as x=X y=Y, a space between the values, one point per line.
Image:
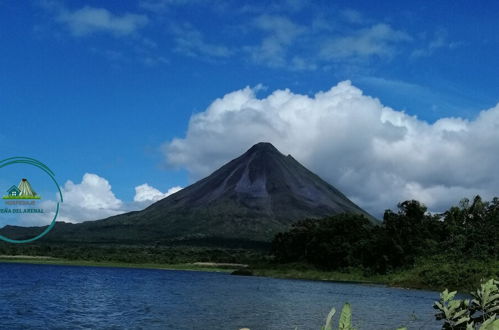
x=299 y=274
x=428 y=275
x=316 y=275
x=42 y=260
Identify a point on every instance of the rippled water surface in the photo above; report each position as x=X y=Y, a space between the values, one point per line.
x=67 y=297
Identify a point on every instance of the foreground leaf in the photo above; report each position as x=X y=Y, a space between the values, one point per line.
x=346 y=318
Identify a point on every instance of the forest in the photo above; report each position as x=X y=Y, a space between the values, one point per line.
x=411 y=247
x=457 y=247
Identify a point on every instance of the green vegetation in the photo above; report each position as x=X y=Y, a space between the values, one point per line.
x=345 y=322
x=427 y=273
x=131 y=254
x=479 y=313
x=466 y=314
x=441 y=271
x=430 y=273
x=411 y=247
x=309 y=272
x=65 y=262
x=21 y=197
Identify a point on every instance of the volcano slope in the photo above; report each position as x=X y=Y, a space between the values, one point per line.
x=251 y=198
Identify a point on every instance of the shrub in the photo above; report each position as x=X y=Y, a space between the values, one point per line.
x=468 y=314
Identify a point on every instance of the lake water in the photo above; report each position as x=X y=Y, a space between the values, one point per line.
x=67 y=297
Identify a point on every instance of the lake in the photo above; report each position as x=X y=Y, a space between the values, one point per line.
x=72 y=297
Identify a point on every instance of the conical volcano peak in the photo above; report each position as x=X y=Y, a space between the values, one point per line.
x=251 y=198
x=25 y=188
x=263 y=146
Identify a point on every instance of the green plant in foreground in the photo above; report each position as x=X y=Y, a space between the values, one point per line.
x=455 y=312
x=345 y=322
x=469 y=314
x=479 y=313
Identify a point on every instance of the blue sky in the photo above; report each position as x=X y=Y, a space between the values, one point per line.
x=105 y=87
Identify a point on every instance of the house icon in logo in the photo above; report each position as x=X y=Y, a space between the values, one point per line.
x=21 y=191
x=13 y=191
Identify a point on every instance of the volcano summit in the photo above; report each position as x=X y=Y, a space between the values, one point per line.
x=251 y=198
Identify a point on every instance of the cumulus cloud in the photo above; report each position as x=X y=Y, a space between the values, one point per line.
x=88 y=20
x=91 y=199
x=376 y=155
x=146 y=193
x=94 y=199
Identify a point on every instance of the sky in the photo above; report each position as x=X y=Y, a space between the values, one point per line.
x=129 y=101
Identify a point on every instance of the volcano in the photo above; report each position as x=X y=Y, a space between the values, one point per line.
x=25 y=188
x=250 y=198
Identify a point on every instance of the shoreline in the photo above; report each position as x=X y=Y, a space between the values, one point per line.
x=334 y=277
x=408 y=279
x=41 y=260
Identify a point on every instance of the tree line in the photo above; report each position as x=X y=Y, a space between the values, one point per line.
x=467 y=231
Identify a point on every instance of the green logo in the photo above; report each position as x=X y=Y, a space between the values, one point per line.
x=22 y=191
x=21 y=199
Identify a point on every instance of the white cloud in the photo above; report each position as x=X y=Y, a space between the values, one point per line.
x=301 y=64
x=286 y=44
x=94 y=192
x=439 y=41
x=376 y=155
x=91 y=199
x=146 y=193
x=190 y=41
x=88 y=20
x=280 y=34
x=377 y=40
